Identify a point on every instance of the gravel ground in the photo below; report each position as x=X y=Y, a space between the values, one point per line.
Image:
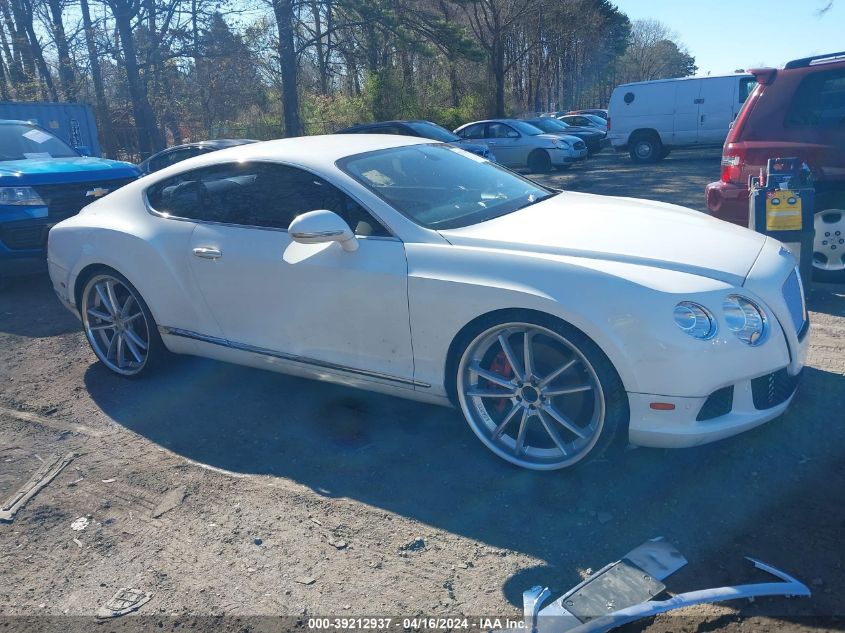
x=293 y=498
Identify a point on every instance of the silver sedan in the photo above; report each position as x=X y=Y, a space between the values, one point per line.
x=520 y=144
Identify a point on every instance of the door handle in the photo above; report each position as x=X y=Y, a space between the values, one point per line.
x=206 y=252
x=702 y=118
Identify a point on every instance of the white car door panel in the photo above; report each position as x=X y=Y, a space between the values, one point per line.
x=716 y=109
x=686 y=122
x=307 y=300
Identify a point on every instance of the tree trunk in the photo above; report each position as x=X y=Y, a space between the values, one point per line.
x=148 y=134
x=22 y=10
x=283 y=10
x=66 y=72
x=97 y=79
x=322 y=66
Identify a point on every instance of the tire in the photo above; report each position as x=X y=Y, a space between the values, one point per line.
x=646 y=148
x=124 y=338
x=569 y=408
x=539 y=162
x=829 y=246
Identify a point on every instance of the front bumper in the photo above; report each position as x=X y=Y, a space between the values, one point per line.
x=688 y=425
x=567 y=156
x=727 y=201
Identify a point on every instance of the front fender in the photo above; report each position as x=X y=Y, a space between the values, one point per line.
x=626 y=309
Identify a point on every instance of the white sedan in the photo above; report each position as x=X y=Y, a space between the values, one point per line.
x=561 y=324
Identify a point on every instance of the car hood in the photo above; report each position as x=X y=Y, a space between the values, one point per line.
x=35 y=171
x=622 y=229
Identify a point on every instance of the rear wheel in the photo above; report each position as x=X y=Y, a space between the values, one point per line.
x=539 y=162
x=829 y=246
x=119 y=326
x=539 y=393
x=646 y=148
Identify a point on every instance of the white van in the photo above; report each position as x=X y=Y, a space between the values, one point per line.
x=650 y=118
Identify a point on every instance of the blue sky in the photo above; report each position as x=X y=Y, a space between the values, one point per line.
x=724 y=35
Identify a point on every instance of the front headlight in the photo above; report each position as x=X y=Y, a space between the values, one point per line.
x=20 y=196
x=695 y=320
x=745 y=319
x=562 y=143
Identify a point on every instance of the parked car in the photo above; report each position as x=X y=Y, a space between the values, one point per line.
x=649 y=119
x=599 y=112
x=421 y=129
x=594 y=139
x=520 y=144
x=392 y=264
x=798 y=110
x=585 y=120
x=172 y=155
x=43 y=181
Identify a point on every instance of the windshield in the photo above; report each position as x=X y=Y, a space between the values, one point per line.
x=432 y=131
x=441 y=187
x=525 y=128
x=19 y=141
x=549 y=125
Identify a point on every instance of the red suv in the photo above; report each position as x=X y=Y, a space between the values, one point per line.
x=798 y=110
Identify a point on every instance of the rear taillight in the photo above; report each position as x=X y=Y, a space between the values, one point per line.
x=608 y=124
x=732 y=162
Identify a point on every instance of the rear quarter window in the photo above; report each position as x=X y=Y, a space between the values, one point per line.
x=819 y=101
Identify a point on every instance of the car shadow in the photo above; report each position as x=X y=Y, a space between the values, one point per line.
x=23 y=313
x=421 y=461
x=827 y=298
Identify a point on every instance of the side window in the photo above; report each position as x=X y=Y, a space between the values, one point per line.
x=473 y=131
x=746 y=85
x=819 y=101
x=500 y=130
x=255 y=194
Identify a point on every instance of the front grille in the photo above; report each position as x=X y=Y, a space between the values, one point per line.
x=580 y=145
x=67 y=199
x=793 y=294
x=718 y=403
x=24 y=237
x=773 y=389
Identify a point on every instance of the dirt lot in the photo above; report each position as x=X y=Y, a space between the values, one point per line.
x=301 y=499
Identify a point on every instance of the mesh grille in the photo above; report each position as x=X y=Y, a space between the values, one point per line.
x=24 y=237
x=718 y=403
x=773 y=389
x=65 y=200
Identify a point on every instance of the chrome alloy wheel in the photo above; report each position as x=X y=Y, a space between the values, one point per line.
x=829 y=241
x=531 y=396
x=115 y=324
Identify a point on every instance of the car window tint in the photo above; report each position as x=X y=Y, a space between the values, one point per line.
x=473 y=131
x=819 y=101
x=256 y=194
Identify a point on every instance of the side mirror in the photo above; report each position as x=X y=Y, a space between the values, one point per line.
x=84 y=150
x=318 y=227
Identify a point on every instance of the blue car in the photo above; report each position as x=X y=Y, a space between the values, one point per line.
x=43 y=181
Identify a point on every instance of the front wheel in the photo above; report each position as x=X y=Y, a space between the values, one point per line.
x=539 y=162
x=646 y=148
x=540 y=394
x=119 y=326
x=829 y=246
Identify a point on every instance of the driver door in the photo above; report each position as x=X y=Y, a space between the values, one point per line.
x=315 y=302
x=507 y=144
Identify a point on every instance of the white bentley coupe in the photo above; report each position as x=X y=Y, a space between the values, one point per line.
x=561 y=324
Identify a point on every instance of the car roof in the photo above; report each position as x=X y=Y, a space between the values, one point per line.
x=690 y=78
x=16 y=122
x=219 y=142
x=308 y=151
x=359 y=126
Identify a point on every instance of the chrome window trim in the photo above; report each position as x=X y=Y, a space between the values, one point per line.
x=166 y=216
x=245 y=347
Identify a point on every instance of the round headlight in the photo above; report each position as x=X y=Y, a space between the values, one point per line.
x=562 y=143
x=695 y=320
x=745 y=319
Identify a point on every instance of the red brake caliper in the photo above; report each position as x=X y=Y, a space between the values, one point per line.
x=501 y=366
